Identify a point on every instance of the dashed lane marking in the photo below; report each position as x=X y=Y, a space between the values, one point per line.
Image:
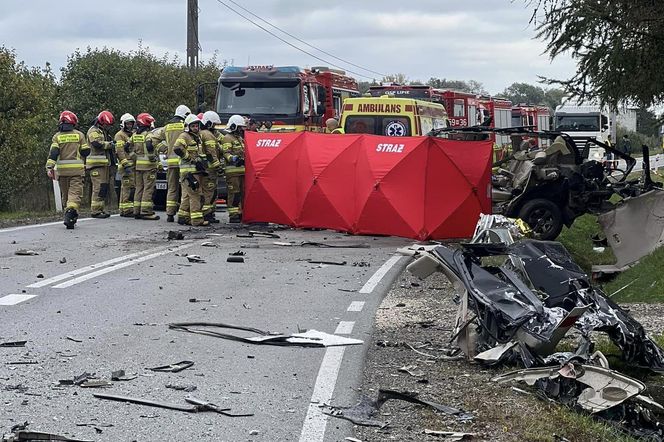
x=34 y=226
x=86 y=269
x=345 y=328
x=14 y=299
x=356 y=306
x=119 y=266
x=380 y=274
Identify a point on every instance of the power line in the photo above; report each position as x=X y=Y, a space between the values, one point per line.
x=289 y=43
x=304 y=42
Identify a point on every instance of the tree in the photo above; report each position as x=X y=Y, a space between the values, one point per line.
x=27 y=120
x=524 y=93
x=471 y=86
x=618 y=45
x=399 y=78
x=132 y=82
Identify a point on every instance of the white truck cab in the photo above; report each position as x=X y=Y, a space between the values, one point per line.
x=585 y=120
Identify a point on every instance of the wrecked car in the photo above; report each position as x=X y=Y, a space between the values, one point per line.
x=519 y=297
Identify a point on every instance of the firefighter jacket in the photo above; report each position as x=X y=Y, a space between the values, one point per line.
x=146 y=158
x=211 y=149
x=189 y=149
x=232 y=145
x=99 y=148
x=164 y=138
x=124 y=149
x=67 y=153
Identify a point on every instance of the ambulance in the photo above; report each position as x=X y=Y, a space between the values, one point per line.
x=393 y=117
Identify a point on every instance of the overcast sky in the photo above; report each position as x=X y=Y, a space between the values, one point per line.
x=485 y=40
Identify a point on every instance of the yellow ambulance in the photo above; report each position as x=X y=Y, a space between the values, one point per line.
x=394 y=117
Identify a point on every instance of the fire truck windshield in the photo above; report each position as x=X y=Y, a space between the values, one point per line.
x=577 y=123
x=258 y=98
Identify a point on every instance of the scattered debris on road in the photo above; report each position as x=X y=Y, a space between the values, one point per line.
x=450 y=435
x=32 y=436
x=339 y=245
x=70 y=338
x=310 y=338
x=12 y=344
x=199 y=300
x=173 y=235
x=120 y=375
x=236 y=259
x=187 y=388
x=330 y=263
x=208 y=244
x=365 y=411
x=361 y=264
x=258 y=233
x=195 y=258
x=197 y=405
x=238 y=253
x=173 y=368
x=25 y=252
x=63 y=260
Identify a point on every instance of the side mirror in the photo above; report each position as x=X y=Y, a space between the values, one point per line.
x=320 y=108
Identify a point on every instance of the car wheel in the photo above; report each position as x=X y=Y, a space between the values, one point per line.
x=544 y=217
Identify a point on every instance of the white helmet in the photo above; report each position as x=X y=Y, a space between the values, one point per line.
x=236 y=121
x=211 y=117
x=182 y=111
x=126 y=118
x=191 y=118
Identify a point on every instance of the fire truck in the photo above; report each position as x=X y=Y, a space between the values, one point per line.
x=537 y=117
x=283 y=98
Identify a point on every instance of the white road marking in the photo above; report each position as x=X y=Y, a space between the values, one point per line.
x=356 y=306
x=315 y=421
x=380 y=274
x=119 y=266
x=68 y=275
x=14 y=299
x=345 y=328
x=33 y=226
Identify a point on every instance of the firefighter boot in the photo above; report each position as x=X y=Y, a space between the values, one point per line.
x=100 y=215
x=70 y=218
x=170 y=218
x=235 y=218
x=211 y=218
x=151 y=217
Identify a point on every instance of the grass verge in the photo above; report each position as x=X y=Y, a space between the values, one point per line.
x=19 y=216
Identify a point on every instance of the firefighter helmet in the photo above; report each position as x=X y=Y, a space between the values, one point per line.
x=145 y=119
x=236 y=121
x=105 y=118
x=210 y=118
x=126 y=118
x=191 y=119
x=68 y=117
x=182 y=111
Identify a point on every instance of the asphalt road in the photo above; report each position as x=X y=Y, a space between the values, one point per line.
x=119 y=285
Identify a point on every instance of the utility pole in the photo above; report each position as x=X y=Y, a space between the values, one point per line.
x=192 y=34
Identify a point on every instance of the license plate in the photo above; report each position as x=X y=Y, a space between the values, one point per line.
x=160 y=186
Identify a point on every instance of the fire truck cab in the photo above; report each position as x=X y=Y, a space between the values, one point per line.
x=283 y=98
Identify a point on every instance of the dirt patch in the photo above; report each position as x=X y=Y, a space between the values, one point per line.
x=421 y=314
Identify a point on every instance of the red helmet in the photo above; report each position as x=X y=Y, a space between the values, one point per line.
x=68 y=117
x=105 y=118
x=145 y=119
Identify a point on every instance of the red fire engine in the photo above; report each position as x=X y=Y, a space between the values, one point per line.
x=283 y=98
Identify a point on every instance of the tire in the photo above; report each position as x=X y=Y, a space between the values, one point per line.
x=544 y=217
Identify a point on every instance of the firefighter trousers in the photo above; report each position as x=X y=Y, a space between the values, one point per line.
x=127 y=191
x=235 y=184
x=71 y=190
x=100 y=185
x=145 y=181
x=191 y=206
x=210 y=192
x=173 y=192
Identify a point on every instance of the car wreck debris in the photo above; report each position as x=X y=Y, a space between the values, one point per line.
x=310 y=338
x=12 y=344
x=173 y=235
x=25 y=252
x=519 y=297
x=236 y=259
x=450 y=435
x=120 y=375
x=187 y=388
x=195 y=258
x=32 y=436
x=197 y=405
x=331 y=263
x=173 y=368
x=364 y=412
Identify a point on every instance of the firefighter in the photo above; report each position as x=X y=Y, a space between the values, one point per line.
x=164 y=139
x=98 y=162
x=233 y=149
x=65 y=163
x=146 y=167
x=126 y=157
x=192 y=170
x=332 y=126
x=211 y=148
